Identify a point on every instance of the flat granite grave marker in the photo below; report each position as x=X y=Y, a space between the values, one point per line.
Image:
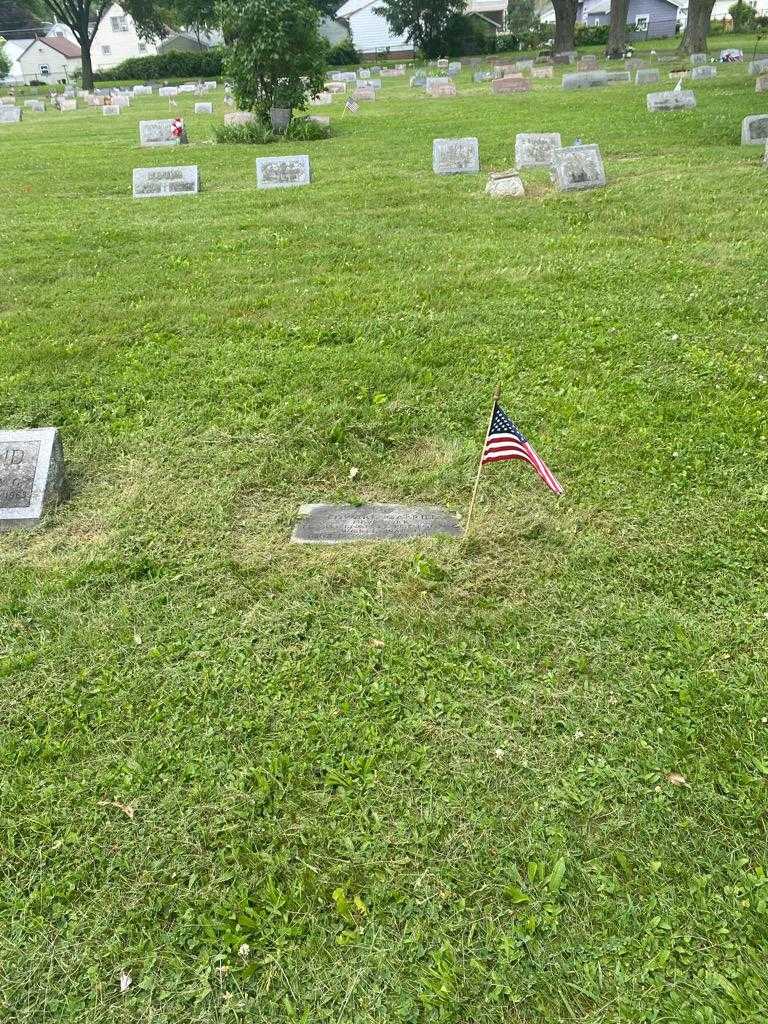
x=684 y=99
x=512 y=83
x=575 y=168
x=455 y=156
x=161 y=133
x=704 y=71
x=31 y=475
x=585 y=79
x=108 y=110
x=547 y=72
x=10 y=115
x=699 y=60
x=345 y=524
x=203 y=108
x=282 y=171
x=506 y=185
x=754 y=130
x=647 y=76
x=151 y=182
x=536 y=149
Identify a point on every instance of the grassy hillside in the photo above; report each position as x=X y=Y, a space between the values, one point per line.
x=415 y=782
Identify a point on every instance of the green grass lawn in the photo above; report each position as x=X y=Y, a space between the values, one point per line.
x=419 y=782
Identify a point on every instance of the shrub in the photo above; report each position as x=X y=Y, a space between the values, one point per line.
x=257 y=134
x=591 y=35
x=743 y=17
x=342 y=53
x=175 y=64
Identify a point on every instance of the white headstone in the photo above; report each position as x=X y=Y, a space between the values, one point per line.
x=159 y=133
x=10 y=115
x=203 y=108
x=683 y=99
x=536 y=149
x=150 y=182
x=576 y=168
x=282 y=171
x=455 y=156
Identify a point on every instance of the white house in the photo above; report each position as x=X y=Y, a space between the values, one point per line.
x=116 y=39
x=48 y=60
x=371 y=34
x=13 y=49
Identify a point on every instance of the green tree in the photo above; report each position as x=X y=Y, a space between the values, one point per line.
x=198 y=15
x=743 y=16
x=274 y=44
x=5 y=64
x=428 y=24
x=565 y=25
x=617 y=34
x=694 y=38
x=521 y=17
x=82 y=17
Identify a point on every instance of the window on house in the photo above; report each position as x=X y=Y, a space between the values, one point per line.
x=106 y=50
x=641 y=23
x=44 y=69
x=119 y=24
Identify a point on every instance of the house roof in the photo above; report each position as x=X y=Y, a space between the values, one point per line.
x=352 y=7
x=62 y=45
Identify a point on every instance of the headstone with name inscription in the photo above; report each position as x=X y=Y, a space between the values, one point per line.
x=699 y=60
x=120 y=99
x=704 y=71
x=647 y=76
x=614 y=77
x=536 y=149
x=758 y=67
x=160 y=133
x=761 y=84
x=442 y=89
x=545 y=72
x=37 y=105
x=455 y=156
x=110 y=110
x=323 y=99
x=344 y=524
x=683 y=99
x=335 y=87
x=167 y=91
x=188 y=87
x=67 y=105
x=505 y=185
x=587 y=63
x=10 y=115
x=512 y=83
x=203 y=108
x=585 y=79
x=754 y=130
x=575 y=168
x=282 y=171
x=364 y=93
x=523 y=65
x=363 y=73
x=454 y=67
x=31 y=476
x=151 y=182
x=210 y=86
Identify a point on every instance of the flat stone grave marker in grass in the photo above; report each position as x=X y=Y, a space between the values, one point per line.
x=31 y=476
x=110 y=110
x=10 y=115
x=682 y=100
x=647 y=76
x=576 y=168
x=547 y=72
x=754 y=130
x=512 y=83
x=345 y=524
x=160 y=133
x=536 y=149
x=152 y=182
x=505 y=185
x=203 y=108
x=282 y=171
x=703 y=71
x=585 y=79
x=455 y=156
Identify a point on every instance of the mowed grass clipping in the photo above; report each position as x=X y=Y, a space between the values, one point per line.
x=520 y=780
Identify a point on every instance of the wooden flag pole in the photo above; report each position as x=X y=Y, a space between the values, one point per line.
x=480 y=465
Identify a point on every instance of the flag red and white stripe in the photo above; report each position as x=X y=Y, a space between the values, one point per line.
x=505 y=441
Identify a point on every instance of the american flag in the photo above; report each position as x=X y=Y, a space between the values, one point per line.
x=505 y=441
x=352 y=106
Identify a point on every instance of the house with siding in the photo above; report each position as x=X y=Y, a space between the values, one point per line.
x=656 y=18
x=48 y=60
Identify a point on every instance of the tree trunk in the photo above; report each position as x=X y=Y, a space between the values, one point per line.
x=617 y=36
x=697 y=28
x=85 y=51
x=565 y=25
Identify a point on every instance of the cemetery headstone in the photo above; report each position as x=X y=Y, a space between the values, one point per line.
x=323 y=99
x=340 y=524
x=37 y=105
x=168 y=91
x=121 y=100
x=151 y=182
x=442 y=89
x=757 y=67
x=699 y=60
x=505 y=186
x=546 y=72
x=367 y=95
x=754 y=130
x=67 y=104
x=454 y=67
x=10 y=115
x=203 y=108
x=523 y=65
x=187 y=87
x=567 y=57
x=585 y=79
x=239 y=117
x=614 y=77
x=761 y=84
x=324 y=122
x=512 y=83
x=536 y=149
x=578 y=167
x=704 y=71
x=110 y=110
x=482 y=76
x=682 y=100
x=282 y=171
x=455 y=156
x=31 y=476
x=363 y=73
x=335 y=87
x=160 y=133
x=211 y=85
x=647 y=76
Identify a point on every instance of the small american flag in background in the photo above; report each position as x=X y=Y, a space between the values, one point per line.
x=352 y=106
x=504 y=441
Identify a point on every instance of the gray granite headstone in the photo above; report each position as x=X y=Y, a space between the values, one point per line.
x=203 y=108
x=699 y=59
x=682 y=100
x=340 y=524
x=704 y=71
x=536 y=149
x=151 y=182
x=10 y=115
x=647 y=76
x=754 y=130
x=282 y=171
x=585 y=79
x=482 y=76
x=758 y=67
x=167 y=91
x=576 y=168
x=108 y=110
x=455 y=156
x=31 y=476
x=159 y=133
x=618 y=76
x=37 y=105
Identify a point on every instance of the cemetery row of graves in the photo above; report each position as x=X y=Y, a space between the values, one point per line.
x=517 y=775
